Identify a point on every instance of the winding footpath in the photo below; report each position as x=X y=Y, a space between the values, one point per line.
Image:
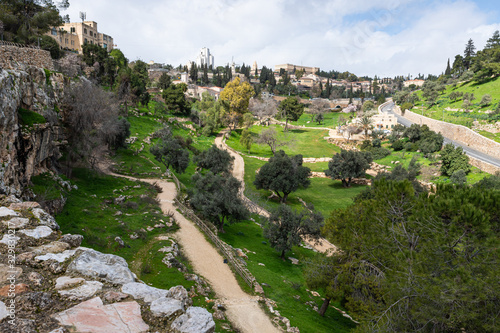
x=243 y=310
x=322 y=245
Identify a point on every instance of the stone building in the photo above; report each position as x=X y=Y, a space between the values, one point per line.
x=205 y=58
x=292 y=68
x=72 y=36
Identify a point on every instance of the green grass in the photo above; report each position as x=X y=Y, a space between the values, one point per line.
x=330 y=120
x=489 y=135
x=29 y=118
x=326 y=194
x=285 y=280
x=438 y=111
x=317 y=167
x=308 y=142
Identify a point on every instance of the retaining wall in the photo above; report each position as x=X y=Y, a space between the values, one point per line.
x=14 y=57
x=458 y=133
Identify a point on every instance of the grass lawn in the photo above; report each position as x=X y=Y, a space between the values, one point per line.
x=317 y=167
x=330 y=120
x=286 y=283
x=326 y=194
x=308 y=142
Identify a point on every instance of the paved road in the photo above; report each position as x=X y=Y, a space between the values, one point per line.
x=469 y=151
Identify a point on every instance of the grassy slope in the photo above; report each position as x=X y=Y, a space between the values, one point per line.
x=458 y=117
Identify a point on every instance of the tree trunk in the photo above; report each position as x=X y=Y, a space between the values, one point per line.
x=349 y=182
x=283 y=255
x=344 y=183
x=324 y=306
x=285 y=196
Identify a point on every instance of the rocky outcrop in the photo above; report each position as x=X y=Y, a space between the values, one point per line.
x=49 y=283
x=27 y=150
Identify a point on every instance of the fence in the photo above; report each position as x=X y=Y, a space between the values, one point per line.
x=211 y=232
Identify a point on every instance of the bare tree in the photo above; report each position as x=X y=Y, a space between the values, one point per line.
x=263 y=108
x=91 y=116
x=270 y=137
x=318 y=106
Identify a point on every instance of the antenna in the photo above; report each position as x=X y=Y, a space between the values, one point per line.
x=83 y=16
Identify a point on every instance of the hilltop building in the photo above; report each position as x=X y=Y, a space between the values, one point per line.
x=72 y=36
x=416 y=82
x=292 y=68
x=205 y=58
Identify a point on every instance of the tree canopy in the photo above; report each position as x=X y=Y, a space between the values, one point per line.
x=290 y=109
x=175 y=100
x=286 y=227
x=169 y=151
x=417 y=262
x=214 y=159
x=235 y=98
x=284 y=174
x=217 y=198
x=454 y=159
x=348 y=164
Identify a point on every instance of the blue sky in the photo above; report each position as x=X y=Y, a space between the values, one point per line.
x=366 y=37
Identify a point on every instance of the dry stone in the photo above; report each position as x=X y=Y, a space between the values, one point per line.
x=144 y=292
x=7 y=273
x=4 y=312
x=16 y=223
x=105 y=266
x=72 y=240
x=65 y=282
x=9 y=240
x=195 y=320
x=59 y=257
x=38 y=232
x=4 y=211
x=45 y=219
x=180 y=293
x=24 y=205
x=53 y=247
x=86 y=290
x=116 y=317
x=166 y=307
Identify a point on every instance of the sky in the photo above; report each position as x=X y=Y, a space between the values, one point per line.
x=365 y=37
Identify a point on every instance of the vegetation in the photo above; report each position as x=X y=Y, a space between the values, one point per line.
x=395 y=283
x=214 y=159
x=348 y=164
x=283 y=174
x=29 y=118
x=290 y=109
x=454 y=159
x=170 y=152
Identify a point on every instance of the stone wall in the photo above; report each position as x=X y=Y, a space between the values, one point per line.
x=13 y=57
x=458 y=133
x=486 y=167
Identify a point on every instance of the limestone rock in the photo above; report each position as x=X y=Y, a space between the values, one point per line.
x=65 y=282
x=86 y=290
x=114 y=296
x=59 y=257
x=9 y=239
x=180 y=293
x=195 y=320
x=119 y=241
x=4 y=312
x=45 y=219
x=166 y=307
x=53 y=247
x=116 y=317
x=258 y=288
x=38 y=232
x=72 y=240
x=4 y=211
x=16 y=223
x=7 y=272
x=106 y=266
x=143 y=291
x=294 y=261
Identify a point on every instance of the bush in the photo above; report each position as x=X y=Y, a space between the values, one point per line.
x=49 y=44
x=410 y=146
x=377 y=143
x=459 y=178
x=398 y=145
x=366 y=145
x=379 y=152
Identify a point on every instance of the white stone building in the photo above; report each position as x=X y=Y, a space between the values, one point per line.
x=205 y=58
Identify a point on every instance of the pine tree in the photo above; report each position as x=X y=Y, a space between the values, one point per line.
x=469 y=53
x=494 y=41
x=447 y=72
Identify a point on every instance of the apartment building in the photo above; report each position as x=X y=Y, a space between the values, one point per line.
x=73 y=35
x=292 y=68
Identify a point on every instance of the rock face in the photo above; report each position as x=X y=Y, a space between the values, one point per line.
x=59 y=287
x=25 y=152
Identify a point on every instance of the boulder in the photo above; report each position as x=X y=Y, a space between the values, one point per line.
x=72 y=240
x=16 y=223
x=114 y=296
x=106 y=266
x=195 y=320
x=144 y=292
x=45 y=219
x=180 y=293
x=86 y=290
x=166 y=307
x=38 y=232
x=116 y=317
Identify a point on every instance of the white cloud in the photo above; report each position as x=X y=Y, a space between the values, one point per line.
x=369 y=37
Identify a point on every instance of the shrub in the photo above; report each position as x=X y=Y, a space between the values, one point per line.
x=377 y=143
x=398 y=145
x=379 y=152
x=410 y=146
x=459 y=178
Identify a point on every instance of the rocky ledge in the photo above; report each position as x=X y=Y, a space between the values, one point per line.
x=49 y=283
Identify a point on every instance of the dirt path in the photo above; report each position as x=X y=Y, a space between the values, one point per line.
x=243 y=311
x=323 y=245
